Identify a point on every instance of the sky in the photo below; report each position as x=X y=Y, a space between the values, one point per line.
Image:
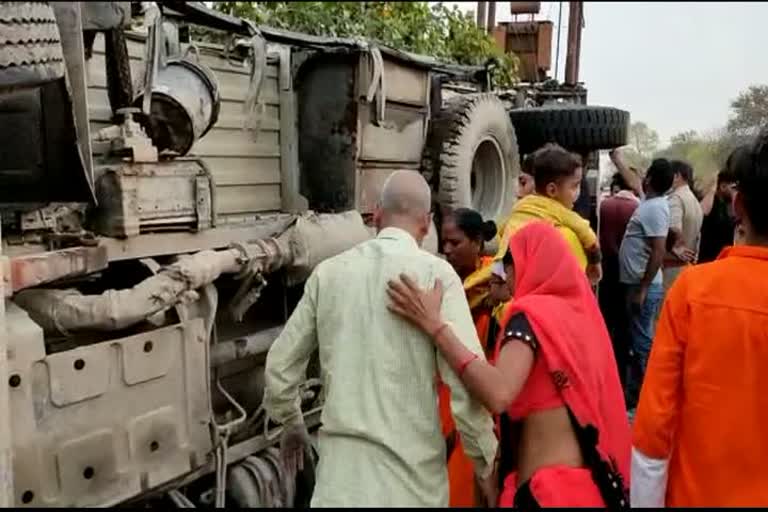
x=675 y=66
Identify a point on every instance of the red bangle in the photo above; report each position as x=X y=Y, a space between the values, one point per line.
x=464 y=365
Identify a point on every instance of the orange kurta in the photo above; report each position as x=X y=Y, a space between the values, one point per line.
x=461 y=473
x=704 y=402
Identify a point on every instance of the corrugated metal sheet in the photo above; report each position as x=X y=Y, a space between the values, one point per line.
x=246 y=172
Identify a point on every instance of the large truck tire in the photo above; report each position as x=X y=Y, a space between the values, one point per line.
x=473 y=155
x=579 y=128
x=30 y=45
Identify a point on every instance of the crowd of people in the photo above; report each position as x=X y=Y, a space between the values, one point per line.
x=503 y=381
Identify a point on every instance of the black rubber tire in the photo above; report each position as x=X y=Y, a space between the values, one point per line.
x=30 y=45
x=579 y=128
x=472 y=140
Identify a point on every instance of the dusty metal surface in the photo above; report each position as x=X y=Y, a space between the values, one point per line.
x=138 y=198
x=247 y=173
x=290 y=179
x=40 y=268
x=358 y=118
x=299 y=250
x=163 y=244
x=327 y=132
x=6 y=451
x=235 y=453
x=68 y=18
x=105 y=15
x=73 y=447
x=245 y=347
x=185 y=105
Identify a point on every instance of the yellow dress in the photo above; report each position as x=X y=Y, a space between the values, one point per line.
x=575 y=229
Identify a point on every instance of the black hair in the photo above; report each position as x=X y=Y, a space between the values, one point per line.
x=726 y=176
x=527 y=166
x=660 y=175
x=507 y=259
x=618 y=180
x=552 y=163
x=751 y=171
x=471 y=224
x=739 y=161
x=683 y=169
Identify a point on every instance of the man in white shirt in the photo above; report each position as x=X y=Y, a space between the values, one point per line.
x=380 y=443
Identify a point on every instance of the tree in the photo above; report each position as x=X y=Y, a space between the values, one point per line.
x=749 y=111
x=684 y=138
x=705 y=153
x=642 y=144
x=643 y=139
x=444 y=33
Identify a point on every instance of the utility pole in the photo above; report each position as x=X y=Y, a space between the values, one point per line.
x=557 y=46
x=481 y=14
x=491 y=22
x=575 y=18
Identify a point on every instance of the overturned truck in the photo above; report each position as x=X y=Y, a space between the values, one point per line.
x=162 y=202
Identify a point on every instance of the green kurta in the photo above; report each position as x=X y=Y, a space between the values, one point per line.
x=380 y=442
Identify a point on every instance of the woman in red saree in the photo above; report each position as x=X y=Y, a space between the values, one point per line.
x=463 y=234
x=565 y=438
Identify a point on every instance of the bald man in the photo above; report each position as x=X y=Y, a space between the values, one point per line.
x=381 y=443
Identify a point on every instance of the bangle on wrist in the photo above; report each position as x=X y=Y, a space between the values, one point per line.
x=464 y=364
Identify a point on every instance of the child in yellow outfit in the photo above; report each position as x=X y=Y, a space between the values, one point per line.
x=557 y=174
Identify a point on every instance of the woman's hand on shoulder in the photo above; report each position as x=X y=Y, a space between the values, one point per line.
x=420 y=307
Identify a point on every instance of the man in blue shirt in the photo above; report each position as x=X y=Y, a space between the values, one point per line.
x=640 y=258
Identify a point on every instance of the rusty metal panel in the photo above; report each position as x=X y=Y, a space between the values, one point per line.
x=499 y=35
x=101 y=454
x=532 y=43
x=237 y=160
x=516 y=8
x=35 y=269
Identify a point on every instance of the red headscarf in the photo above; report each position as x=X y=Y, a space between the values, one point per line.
x=553 y=292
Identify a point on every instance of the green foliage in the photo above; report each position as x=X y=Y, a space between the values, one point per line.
x=702 y=152
x=643 y=143
x=707 y=153
x=643 y=139
x=749 y=111
x=444 y=33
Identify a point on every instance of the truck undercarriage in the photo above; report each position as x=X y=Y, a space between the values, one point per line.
x=154 y=243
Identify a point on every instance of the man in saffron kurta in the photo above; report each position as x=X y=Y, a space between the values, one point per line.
x=699 y=434
x=703 y=410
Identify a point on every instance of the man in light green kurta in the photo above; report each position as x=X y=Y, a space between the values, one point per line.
x=381 y=442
